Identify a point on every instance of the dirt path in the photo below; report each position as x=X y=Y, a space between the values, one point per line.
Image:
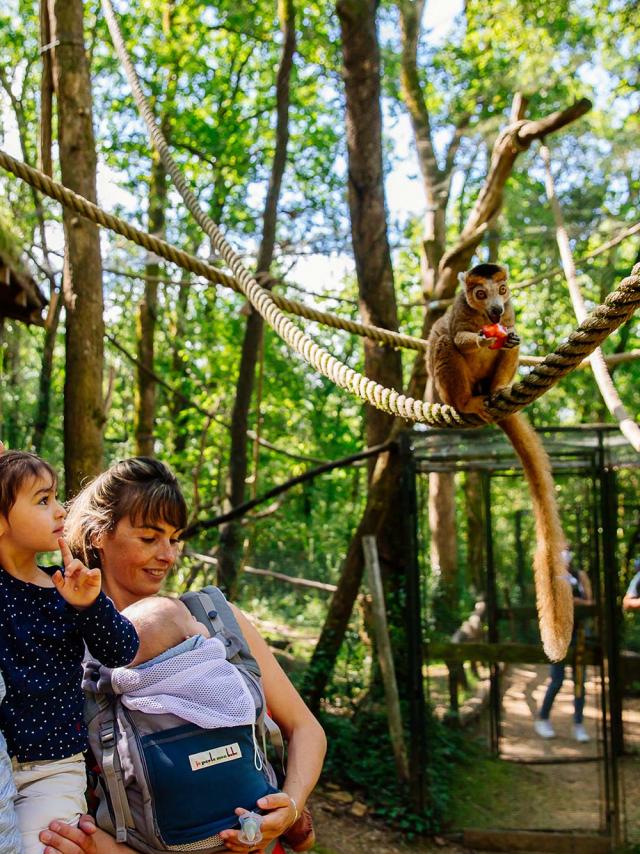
x=339 y=832
x=492 y=793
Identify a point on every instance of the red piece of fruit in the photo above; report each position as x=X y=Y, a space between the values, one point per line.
x=497 y=331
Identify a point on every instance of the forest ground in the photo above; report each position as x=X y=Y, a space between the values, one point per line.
x=491 y=793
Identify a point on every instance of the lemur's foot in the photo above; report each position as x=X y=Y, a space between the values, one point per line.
x=477 y=406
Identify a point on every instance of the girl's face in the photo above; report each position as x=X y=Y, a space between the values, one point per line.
x=136 y=559
x=36 y=519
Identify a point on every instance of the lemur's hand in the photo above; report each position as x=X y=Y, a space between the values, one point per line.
x=512 y=340
x=485 y=342
x=78 y=586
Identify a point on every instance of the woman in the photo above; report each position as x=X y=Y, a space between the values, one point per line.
x=128 y=522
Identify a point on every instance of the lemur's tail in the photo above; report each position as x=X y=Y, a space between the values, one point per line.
x=553 y=590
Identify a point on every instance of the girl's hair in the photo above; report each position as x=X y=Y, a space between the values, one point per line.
x=141 y=488
x=16 y=469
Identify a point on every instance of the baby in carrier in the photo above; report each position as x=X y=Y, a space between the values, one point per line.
x=192 y=711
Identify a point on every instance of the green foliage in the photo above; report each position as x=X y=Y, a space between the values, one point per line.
x=360 y=758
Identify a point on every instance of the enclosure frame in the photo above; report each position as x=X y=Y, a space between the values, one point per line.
x=594 y=452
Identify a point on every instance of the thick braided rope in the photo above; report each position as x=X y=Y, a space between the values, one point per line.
x=383 y=398
x=616 y=309
x=368 y=390
x=90 y=211
x=618 y=306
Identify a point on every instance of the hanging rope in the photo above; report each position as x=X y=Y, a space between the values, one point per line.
x=617 y=308
x=591 y=332
x=262 y=301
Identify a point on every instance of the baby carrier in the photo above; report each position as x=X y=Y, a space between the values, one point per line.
x=169 y=785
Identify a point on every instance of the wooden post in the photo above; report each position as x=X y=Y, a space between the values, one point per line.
x=383 y=644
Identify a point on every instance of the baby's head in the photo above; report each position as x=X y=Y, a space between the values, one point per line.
x=30 y=515
x=161 y=622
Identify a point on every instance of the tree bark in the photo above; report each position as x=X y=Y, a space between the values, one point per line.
x=83 y=404
x=229 y=552
x=367 y=206
x=43 y=407
x=145 y=405
x=475 y=531
x=148 y=313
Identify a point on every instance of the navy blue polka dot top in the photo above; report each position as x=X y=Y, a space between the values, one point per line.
x=42 y=645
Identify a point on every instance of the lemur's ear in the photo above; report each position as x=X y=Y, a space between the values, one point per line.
x=462 y=278
x=506 y=270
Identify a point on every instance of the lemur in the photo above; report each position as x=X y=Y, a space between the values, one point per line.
x=463 y=369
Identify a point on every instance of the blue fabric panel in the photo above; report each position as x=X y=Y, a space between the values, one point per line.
x=193 y=804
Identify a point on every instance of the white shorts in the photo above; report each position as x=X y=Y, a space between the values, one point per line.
x=48 y=790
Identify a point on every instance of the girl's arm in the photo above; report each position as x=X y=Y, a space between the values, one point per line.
x=305 y=738
x=110 y=637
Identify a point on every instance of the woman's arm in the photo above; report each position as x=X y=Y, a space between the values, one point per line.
x=306 y=742
x=585 y=581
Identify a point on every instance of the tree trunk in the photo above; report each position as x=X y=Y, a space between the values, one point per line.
x=378 y=306
x=436 y=182
x=43 y=408
x=444 y=552
x=366 y=198
x=147 y=315
x=229 y=552
x=83 y=404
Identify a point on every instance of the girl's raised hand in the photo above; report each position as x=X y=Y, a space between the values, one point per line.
x=79 y=586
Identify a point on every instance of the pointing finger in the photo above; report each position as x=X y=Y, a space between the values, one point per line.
x=65 y=551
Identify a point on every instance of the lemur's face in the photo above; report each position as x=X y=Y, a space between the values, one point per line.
x=487 y=294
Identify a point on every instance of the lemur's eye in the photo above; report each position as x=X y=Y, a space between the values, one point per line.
x=503 y=289
x=480 y=294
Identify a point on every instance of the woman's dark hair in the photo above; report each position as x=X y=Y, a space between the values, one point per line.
x=16 y=469
x=140 y=488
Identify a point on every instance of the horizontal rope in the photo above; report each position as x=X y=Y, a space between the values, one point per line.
x=165 y=250
x=618 y=307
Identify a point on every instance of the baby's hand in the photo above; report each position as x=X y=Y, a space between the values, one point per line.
x=79 y=586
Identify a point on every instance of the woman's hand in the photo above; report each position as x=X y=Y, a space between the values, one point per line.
x=63 y=838
x=280 y=814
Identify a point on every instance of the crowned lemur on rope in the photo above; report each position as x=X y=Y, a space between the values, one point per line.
x=472 y=352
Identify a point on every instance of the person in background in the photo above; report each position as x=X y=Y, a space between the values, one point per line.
x=582 y=593
x=631 y=601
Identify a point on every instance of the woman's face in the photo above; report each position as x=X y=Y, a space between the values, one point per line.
x=136 y=559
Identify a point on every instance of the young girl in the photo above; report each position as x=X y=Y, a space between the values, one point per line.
x=46 y=618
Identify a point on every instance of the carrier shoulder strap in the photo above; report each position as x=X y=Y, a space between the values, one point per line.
x=112 y=773
x=210 y=607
